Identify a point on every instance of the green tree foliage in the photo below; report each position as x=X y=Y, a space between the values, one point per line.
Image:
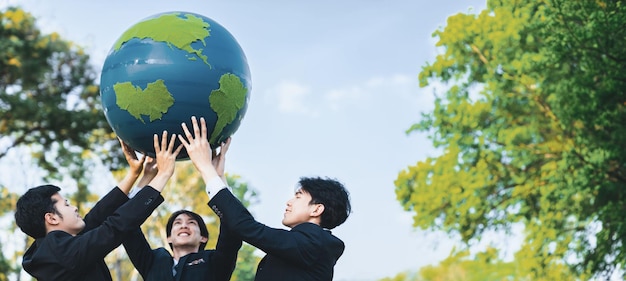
x=530 y=129
x=5 y=267
x=463 y=266
x=588 y=61
x=49 y=106
x=49 y=102
x=8 y=265
x=186 y=191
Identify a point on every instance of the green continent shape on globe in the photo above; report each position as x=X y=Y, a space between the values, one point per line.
x=172 y=30
x=226 y=102
x=154 y=101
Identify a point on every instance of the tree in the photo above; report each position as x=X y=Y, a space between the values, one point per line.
x=588 y=61
x=49 y=102
x=49 y=107
x=486 y=265
x=530 y=133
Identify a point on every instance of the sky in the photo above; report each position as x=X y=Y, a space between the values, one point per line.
x=334 y=90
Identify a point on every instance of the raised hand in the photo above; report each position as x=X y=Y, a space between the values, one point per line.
x=196 y=144
x=150 y=170
x=219 y=161
x=135 y=164
x=198 y=148
x=165 y=159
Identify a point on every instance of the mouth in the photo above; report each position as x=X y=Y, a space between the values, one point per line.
x=184 y=234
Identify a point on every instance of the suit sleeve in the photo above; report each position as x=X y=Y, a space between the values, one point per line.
x=104 y=208
x=295 y=246
x=82 y=250
x=139 y=251
x=225 y=256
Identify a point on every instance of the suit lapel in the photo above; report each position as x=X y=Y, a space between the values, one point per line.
x=179 y=267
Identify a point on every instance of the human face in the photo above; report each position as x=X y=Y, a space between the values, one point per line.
x=185 y=233
x=66 y=219
x=300 y=210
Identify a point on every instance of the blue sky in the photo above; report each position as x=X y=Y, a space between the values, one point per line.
x=334 y=88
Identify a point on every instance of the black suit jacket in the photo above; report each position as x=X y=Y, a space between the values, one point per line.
x=208 y=265
x=306 y=252
x=61 y=256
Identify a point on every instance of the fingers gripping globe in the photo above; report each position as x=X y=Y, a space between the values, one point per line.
x=169 y=67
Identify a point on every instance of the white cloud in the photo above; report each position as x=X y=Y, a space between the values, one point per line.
x=337 y=98
x=400 y=89
x=292 y=97
x=397 y=88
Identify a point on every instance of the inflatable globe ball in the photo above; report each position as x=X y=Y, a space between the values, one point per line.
x=170 y=67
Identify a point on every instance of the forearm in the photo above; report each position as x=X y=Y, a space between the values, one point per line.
x=145 y=180
x=97 y=243
x=127 y=182
x=159 y=182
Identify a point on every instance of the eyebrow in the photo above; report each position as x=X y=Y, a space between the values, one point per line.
x=181 y=219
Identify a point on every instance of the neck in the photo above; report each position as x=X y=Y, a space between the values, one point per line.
x=50 y=229
x=181 y=251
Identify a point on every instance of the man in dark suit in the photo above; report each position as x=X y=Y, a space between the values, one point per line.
x=308 y=251
x=187 y=236
x=67 y=247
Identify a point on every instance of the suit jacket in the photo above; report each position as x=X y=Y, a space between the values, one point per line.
x=208 y=265
x=306 y=252
x=61 y=256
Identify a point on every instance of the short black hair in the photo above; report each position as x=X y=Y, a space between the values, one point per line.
x=204 y=232
x=330 y=193
x=32 y=207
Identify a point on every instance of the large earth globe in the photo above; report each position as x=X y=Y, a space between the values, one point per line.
x=169 y=67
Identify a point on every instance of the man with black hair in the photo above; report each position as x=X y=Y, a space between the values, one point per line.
x=308 y=251
x=187 y=236
x=67 y=247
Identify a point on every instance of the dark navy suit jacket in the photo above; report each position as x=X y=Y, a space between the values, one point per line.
x=207 y=265
x=306 y=252
x=61 y=256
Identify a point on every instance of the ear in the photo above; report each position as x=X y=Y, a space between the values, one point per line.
x=203 y=239
x=318 y=210
x=51 y=219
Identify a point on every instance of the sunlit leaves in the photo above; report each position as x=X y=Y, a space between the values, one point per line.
x=530 y=130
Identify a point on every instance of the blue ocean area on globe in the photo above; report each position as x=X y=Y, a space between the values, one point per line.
x=169 y=67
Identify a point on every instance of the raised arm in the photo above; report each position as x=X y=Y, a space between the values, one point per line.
x=219 y=161
x=201 y=155
x=135 y=166
x=112 y=200
x=96 y=244
x=150 y=170
x=166 y=160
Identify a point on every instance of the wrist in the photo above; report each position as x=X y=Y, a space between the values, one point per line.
x=214 y=185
